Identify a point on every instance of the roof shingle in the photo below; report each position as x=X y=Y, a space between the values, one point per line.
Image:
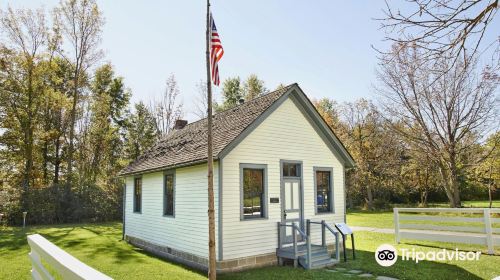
x=189 y=145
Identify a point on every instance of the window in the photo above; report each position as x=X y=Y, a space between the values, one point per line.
x=137 y=194
x=168 y=194
x=324 y=192
x=291 y=169
x=253 y=189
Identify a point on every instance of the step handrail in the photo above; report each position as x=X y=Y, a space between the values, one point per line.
x=296 y=229
x=336 y=233
x=324 y=226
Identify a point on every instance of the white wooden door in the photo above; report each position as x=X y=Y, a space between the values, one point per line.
x=291 y=206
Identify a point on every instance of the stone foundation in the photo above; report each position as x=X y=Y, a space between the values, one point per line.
x=201 y=263
x=170 y=254
x=247 y=263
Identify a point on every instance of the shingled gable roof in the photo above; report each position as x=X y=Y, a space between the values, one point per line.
x=188 y=145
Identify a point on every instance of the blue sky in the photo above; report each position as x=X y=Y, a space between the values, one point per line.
x=325 y=46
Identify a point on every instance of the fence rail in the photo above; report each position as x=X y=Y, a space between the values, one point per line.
x=480 y=229
x=65 y=265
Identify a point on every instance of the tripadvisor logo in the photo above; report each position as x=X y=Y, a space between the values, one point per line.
x=387 y=255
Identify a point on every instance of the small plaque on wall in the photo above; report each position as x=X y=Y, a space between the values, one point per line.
x=274 y=200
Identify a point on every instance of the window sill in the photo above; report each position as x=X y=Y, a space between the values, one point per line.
x=324 y=213
x=137 y=212
x=254 y=219
x=169 y=216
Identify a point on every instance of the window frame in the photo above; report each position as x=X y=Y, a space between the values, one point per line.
x=165 y=174
x=265 y=207
x=134 y=208
x=331 y=193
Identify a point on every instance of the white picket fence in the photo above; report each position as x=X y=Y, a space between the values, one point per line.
x=65 y=265
x=479 y=229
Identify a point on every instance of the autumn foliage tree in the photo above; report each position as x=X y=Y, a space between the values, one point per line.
x=444 y=108
x=66 y=126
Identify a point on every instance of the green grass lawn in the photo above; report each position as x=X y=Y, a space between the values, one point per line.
x=367 y=242
x=99 y=246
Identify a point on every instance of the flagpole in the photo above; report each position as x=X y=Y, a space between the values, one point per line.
x=211 y=216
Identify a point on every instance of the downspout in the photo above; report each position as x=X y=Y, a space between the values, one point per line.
x=220 y=256
x=345 y=196
x=123 y=210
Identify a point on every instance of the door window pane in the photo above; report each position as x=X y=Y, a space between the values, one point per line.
x=253 y=193
x=296 y=196
x=323 y=191
x=291 y=169
x=288 y=195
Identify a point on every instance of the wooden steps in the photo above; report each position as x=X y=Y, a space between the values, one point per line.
x=319 y=256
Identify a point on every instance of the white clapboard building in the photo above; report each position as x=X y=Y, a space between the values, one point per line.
x=277 y=165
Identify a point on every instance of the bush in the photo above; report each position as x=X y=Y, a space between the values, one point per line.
x=61 y=203
x=9 y=204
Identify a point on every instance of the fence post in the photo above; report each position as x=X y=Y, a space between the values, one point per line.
x=308 y=243
x=396 y=224
x=294 y=238
x=323 y=234
x=488 y=231
x=279 y=235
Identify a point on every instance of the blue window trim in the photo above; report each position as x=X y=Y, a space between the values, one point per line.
x=264 y=204
x=332 y=204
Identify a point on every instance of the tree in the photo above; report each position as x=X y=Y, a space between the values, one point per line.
x=231 y=94
x=442 y=27
x=201 y=100
x=57 y=102
x=141 y=132
x=487 y=172
x=419 y=174
x=233 y=91
x=21 y=71
x=109 y=101
x=253 y=87
x=48 y=98
x=168 y=109
x=375 y=151
x=329 y=110
x=443 y=106
x=81 y=23
x=280 y=86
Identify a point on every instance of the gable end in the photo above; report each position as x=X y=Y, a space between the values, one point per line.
x=313 y=117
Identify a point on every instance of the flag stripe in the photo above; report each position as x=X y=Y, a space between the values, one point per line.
x=216 y=51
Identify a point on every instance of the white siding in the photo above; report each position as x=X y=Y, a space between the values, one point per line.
x=285 y=134
x=188 y=230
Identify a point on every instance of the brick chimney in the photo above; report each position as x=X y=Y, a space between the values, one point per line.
x=180 y=124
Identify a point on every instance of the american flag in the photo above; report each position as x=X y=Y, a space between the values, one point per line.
x=216 y=51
